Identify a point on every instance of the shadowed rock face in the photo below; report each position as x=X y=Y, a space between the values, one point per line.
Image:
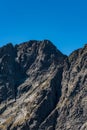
x=42 y=89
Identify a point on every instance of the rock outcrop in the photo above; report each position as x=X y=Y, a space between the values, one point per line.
x=42 y=89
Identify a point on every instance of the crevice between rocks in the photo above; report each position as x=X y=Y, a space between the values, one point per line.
x=49 y=102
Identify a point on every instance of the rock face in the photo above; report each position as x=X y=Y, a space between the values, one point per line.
x=42 y=89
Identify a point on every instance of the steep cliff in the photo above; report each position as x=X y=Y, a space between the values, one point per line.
x=42 y=89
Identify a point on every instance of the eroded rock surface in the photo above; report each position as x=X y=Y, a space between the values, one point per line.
x=42 y=89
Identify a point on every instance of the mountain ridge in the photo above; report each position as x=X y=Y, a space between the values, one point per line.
x=41 y=88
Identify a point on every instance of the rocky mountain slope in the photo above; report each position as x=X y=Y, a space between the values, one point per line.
x=42 y=89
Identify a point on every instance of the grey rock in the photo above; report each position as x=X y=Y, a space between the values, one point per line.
x=42 y=89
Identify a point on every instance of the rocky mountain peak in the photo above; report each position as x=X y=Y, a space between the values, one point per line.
x=42 y=89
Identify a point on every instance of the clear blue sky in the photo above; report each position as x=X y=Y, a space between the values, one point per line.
x=64 y=22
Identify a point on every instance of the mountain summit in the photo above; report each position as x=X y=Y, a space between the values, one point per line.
x=42 y=89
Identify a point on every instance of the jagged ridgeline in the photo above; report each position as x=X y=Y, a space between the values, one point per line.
x=41 y=88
